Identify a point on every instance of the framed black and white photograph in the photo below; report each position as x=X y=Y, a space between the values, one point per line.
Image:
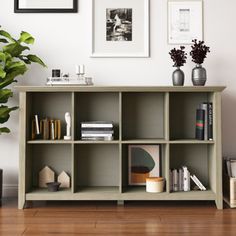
x=120 y=28
x=46 y=6
x=185 y=21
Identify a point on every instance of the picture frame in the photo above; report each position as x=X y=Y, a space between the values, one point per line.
x=120 y=28
x=144 y=161
x=185 y=21
x=45 y=6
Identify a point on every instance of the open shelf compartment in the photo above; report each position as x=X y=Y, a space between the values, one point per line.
x=96 y=106
x=182 y=110
x=57 y=157
x=143 y=116
x=128 y=189
x=97 y=168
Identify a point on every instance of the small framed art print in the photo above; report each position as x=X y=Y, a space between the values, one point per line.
x=143 y=162
x=185 y=21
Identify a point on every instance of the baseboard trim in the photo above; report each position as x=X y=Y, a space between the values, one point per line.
x=10 y=190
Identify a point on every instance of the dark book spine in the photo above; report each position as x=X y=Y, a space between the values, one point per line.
x=200 y=119
x=210 y=121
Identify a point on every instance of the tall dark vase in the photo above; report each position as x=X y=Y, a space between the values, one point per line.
x=199 y=75
x=178 y=77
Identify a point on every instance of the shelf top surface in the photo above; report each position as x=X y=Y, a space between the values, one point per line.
x=120 y=88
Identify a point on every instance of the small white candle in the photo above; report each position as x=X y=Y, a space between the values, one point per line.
x=82 y=69
x=77 y=69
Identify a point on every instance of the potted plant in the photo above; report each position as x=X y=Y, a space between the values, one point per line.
x=13 y=62
x=179 y=57
x=199 y=53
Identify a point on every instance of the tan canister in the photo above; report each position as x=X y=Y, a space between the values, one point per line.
x=155 y=184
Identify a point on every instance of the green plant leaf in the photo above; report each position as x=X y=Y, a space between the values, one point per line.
x=2 y=73
x=4 y=113
x=15 y=49
x=2 y=57
x=5 y=94
x=7 y=35
x=7 y=81
x=26 y=38
x=36 y=59
x=4 y=130
x=2 y=40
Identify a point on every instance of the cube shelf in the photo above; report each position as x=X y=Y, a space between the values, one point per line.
x=162 y=116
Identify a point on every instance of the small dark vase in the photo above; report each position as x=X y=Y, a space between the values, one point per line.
x=199 y=75
x=178 y=77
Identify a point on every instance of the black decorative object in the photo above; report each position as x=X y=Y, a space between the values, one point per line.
x=53 y=186
x=56 y=73
x=198 y=54
x=179 y=57
x=18 y=9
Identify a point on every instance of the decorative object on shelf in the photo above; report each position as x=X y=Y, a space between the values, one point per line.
x=144 y=162
x=68 y=126
x=80 y=72
x=46 y=175
x=127 y=28
x=179 y=57
x=64 y=179
x=155 y=184
x=53 y=186
x=13 y=62
x=56 y=73
x=185 y=21
x=97 y=130
x=46 y=6
x=198 y=54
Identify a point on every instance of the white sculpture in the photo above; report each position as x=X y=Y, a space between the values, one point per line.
x=68 y=126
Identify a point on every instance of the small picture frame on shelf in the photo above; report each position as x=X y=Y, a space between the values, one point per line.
x=143 y=162
x=185 y=21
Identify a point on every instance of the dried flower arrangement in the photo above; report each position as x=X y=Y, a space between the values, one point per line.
x=178 y=56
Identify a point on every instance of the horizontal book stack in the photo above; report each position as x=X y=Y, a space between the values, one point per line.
x=204 y=121
x=47 y=129
x=180 y=180
x=97 y=130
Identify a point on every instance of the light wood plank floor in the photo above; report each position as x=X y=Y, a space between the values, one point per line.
x=106 y=218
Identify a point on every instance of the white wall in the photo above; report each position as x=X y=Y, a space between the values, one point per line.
x=62 y=40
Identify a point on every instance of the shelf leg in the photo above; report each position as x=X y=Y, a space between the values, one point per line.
x=120 y=203
x=219 y=204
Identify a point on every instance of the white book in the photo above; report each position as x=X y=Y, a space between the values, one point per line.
x=96 y=135
x=200 y=183
x=181 y=187
x=233 y=168
x=175 y=181
x=195 y=181
x=94 y=125
x=204 y=107
x=52 y=131
x=186 y=179
x=37 y=124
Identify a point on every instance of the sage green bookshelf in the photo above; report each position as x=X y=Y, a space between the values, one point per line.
x=141 y=115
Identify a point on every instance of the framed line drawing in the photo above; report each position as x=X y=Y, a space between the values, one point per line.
x=185 y=21
x=45 y=6
x=120 y=28
x=143 y=161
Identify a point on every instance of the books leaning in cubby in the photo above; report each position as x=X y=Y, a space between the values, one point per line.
x=97 y=130
x=204 y=121
x=180 y=180
x=47 y=129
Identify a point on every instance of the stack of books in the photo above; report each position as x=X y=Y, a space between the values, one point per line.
x=97 y=130
x=180 y=180
x=204 y=121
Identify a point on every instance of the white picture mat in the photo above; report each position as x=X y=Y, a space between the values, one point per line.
x=194 y=19
x=45 y=4
x=138 y=47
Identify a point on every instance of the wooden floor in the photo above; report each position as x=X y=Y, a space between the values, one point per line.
x=106 y=218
